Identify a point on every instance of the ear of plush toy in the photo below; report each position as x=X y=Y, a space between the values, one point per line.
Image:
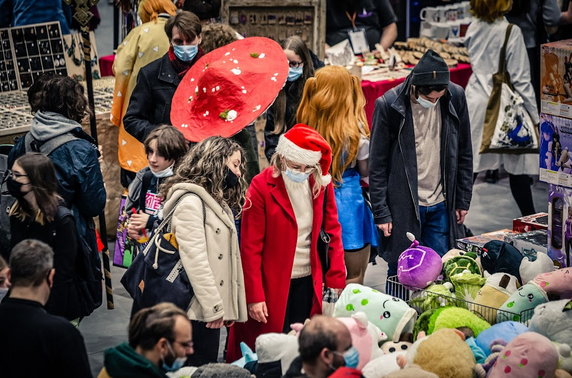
x=531 y=268
x=381 y=366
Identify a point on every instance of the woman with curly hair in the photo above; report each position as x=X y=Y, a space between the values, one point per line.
x=205 y=190
x=340 y=118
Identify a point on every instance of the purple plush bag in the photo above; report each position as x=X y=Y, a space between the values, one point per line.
x=125 y=248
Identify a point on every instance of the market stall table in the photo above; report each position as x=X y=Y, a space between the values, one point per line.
x=374 y=89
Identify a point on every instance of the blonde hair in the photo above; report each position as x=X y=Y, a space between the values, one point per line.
x=149 y=9
x=339 y=118
x=490 y=10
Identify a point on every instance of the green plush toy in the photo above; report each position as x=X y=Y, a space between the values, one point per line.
x=449 y=317
x=434 y=296
x=459 y=264
x=467 y=284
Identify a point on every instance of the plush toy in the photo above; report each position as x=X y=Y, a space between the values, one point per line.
x=411 y=371
x=247 y=356
x=444 y=353
x=449 y=317
x=273 y=347
x=365 y=337
x=467 y=284
x=554 y=320
x=393 y=347
x=527 y=355
x=505 y=331
x=557 y=283
x=493 y=294
x=565 y=356
x=501 y=257
x=459 y=264
x=433 y=296
x=418 y=266
x=382 y=366
x=529 y=269
x=391 y=315
x=523 y=299
x=478 y=353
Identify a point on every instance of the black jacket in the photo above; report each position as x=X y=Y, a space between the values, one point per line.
x=37 y=344
x=150 y=102
x=393 y=165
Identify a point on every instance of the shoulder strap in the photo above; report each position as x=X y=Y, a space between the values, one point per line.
x=48 y=146
x=502 y=57
x=145 y=184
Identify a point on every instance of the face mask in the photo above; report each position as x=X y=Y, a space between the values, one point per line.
x=15 y=188
x=296 y=176
x=294 y=73
x=230 y=180
x=186 y=53
x=178 y=363
x=351 y=357
x=3 y=292
x=426 y=103
x=167 y=172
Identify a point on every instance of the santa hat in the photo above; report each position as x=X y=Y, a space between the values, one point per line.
x=304 y=145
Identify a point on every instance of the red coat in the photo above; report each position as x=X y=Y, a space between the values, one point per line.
x=268 y=244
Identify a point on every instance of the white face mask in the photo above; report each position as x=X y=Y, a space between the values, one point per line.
x=3 y=292
x=167 y=172
x=426 y=103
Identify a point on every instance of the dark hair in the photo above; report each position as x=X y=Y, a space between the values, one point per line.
x=65 y=96
x=427 y=89
x=30 y=262
x=281 y=104
x=188 y=24
x=171 y=144
x=315 y=337
x=216 y=35
x=151 y=324
x=42 y=176
x=203 y=9
x=36 y=90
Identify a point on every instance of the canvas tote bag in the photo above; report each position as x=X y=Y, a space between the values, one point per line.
x=508 y=127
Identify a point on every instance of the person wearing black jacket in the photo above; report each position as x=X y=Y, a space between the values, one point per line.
x=35 y=343
x=421 y=161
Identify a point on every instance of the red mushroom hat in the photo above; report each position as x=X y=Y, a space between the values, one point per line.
x=227 y=89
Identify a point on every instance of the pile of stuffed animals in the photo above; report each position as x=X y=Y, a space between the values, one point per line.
x=444 y=331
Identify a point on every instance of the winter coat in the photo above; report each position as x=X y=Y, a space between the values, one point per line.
x=123 y=361
x=77 y=169
x=484 y=42
x=393 y=165
x=208 y=246
x=268 y=245
x=143 y=45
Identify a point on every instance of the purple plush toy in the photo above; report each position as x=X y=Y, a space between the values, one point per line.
x=418 y=266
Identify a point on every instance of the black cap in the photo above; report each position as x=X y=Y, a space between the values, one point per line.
x=431 y=70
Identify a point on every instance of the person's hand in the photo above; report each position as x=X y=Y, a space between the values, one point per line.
x=133 y=232
x=386 y=228
x=216 y=323
x=460 y=214
x=139 y=220
x=258 y=311
x=228 y=323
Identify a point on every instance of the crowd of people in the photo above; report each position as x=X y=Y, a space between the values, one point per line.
x=257 y=250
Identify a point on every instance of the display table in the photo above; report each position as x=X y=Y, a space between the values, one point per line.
x=374 y=89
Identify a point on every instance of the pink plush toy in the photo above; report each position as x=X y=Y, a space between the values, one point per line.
x=556 y=283
x=365 y=337
x=418 y=266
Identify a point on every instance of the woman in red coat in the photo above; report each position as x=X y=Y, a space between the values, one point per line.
x=281 y=223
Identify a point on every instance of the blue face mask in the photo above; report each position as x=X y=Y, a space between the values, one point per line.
x=351 y=357
x=296 y=176
x=426 y=103
x=186 y=53
x=177 y=364
x=294 y=73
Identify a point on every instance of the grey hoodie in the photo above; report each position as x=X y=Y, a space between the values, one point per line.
x=47 y=125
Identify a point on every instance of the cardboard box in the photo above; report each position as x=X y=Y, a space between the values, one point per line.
x=532 y=222
x=555 y=150
x=529 y=243
x=556 y=78
x=559 y=224
x=476 y=243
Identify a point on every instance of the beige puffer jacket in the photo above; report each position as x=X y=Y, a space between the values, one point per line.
x=208 y=245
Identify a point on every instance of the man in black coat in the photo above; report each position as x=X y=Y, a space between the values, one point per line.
x=35 y=343
x=421 y=161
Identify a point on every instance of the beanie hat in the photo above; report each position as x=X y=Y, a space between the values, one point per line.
x=304 y=145
x=431 y=70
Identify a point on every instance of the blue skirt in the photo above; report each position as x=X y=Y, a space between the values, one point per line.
x=354 y=215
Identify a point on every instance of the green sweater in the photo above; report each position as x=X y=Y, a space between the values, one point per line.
x=124 y=362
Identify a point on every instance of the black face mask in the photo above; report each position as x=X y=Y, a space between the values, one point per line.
x=15 y=188
x=230 y=180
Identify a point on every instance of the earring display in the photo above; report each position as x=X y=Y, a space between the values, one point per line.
x=279 y=19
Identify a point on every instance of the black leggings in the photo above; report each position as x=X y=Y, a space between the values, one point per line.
x=300 y=299
x=521 y=191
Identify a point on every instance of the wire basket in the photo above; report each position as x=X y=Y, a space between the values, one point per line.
x=423 y=300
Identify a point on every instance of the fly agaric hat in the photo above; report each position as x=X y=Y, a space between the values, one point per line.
x=227 y=89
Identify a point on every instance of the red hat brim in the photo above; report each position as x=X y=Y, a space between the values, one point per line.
x=227 y=89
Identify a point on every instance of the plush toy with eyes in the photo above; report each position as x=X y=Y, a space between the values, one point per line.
x=523 y=299
x=418 y=266
x=392 y=347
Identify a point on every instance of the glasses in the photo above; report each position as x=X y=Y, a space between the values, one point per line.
x=16 y=174
x=185 y=344
x=295 y=64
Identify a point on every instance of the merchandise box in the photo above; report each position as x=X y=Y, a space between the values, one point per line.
x=532 y=222
x=476 y=243
x=559 y=224
x=555 y=150
x=529 y=243
x=556 y=78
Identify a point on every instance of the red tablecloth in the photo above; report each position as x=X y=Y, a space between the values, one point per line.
x=106 y=64
x=374 y=89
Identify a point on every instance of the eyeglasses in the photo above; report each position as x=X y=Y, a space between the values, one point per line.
x=16 y=174
x=295 y=64
x=185 y=344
